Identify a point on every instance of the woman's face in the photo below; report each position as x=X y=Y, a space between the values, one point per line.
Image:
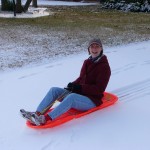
x=95 y=50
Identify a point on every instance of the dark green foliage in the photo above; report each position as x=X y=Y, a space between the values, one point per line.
x=7 y=5
x=128 y=5
x=126 y=1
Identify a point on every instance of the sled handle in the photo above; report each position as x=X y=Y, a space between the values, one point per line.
x=61 y=97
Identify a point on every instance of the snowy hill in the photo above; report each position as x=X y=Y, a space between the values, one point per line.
x=123 y=126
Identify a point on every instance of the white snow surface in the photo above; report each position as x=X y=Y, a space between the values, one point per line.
x=123 y=126
x=64 y=3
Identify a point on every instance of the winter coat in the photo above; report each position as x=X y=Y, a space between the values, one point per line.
x=94 y=77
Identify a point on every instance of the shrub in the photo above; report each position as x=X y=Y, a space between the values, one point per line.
x=7 y=5
x=128 y=5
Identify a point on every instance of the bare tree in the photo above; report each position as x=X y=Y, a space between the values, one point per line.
x=8 y=5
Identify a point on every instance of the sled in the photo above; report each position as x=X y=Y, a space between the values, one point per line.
x=108 y=99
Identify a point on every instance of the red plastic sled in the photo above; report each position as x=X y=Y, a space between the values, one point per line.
x=108 y=99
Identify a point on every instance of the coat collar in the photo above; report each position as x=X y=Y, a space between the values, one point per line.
x=96 y=59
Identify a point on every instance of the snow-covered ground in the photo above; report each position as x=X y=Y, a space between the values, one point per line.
x=123 y=126
x=63 y=3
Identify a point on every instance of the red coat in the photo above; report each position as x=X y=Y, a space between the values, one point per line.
x=94 y=77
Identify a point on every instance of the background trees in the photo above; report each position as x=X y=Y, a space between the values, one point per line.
x=8 y=5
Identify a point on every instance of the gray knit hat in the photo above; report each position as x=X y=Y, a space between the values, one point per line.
x=97 y=41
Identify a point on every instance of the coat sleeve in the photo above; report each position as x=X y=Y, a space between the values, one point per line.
x=102 y=80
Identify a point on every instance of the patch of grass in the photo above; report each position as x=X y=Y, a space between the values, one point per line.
x=67 y=32
x=89 y=19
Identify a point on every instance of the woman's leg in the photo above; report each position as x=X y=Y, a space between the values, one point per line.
x=73 y=100
x=51 y=96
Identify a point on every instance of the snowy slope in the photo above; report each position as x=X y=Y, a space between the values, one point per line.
x=123 y=126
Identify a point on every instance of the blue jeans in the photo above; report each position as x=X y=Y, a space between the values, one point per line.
x=72 y=100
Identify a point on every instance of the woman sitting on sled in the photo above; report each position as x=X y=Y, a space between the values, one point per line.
x=84 y=93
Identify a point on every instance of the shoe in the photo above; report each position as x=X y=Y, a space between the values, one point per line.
x=27 y=115
x=38 y=120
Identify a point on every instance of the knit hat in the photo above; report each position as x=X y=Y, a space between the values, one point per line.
x=96 y=41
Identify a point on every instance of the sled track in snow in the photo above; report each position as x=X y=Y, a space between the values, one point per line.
x=133 y=91
x=124 y=68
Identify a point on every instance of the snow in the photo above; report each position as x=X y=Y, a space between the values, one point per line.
x=123 y=126
x=64 y=3
x=32 y=13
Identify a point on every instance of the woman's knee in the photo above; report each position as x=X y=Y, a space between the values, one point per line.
x=71 y=98
x=54 y=89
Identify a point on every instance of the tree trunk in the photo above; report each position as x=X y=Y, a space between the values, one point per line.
x=19 y=8
x=27 y=4
x=34 y=3
x=14 y=7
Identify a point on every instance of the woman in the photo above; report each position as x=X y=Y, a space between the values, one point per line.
x=85 y=92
